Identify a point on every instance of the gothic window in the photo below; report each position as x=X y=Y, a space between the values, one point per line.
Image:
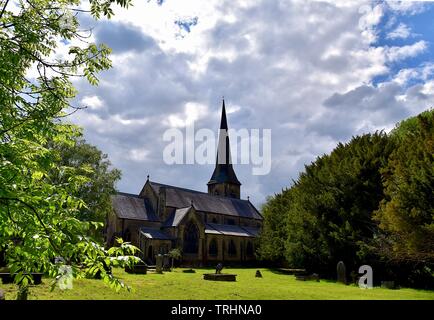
x=249 y=249
x=213 y=249
x=232 y=249
x=191 y=238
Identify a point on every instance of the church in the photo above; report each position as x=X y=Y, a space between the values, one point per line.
x=211 y=227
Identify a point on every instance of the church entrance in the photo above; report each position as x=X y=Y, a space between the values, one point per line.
x=191 y=239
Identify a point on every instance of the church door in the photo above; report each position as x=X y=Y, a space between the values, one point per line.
x=191 y=238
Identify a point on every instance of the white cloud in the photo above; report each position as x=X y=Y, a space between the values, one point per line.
x=193 y=111
x=407 y=51
x=304 y=69
x=93 y=102
x=138 y=155
x=402 y=31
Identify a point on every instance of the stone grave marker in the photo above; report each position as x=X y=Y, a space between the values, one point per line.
x=159 y=264
x=341 y=272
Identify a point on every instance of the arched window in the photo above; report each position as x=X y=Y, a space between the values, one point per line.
x=232 y=249
x=191 y=238
x=249 y=249
x=214 y=220
x=213 y=248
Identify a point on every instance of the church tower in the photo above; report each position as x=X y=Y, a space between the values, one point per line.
x=224 y=181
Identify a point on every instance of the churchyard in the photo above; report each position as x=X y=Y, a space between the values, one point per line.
x=190 y=285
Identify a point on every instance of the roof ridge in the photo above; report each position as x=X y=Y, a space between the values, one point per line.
x=196 y=191
x=127 y=194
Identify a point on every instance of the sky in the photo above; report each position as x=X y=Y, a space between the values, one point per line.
x=315 y=73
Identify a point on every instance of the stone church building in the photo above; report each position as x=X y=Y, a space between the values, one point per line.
x=211 y=227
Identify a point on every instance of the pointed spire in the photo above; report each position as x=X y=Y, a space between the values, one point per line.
x=223 y=172
x=223 y=122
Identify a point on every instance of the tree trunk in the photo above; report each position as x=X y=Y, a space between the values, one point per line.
x=23 y=291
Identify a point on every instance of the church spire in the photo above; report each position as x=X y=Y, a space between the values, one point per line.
x=223 y=121
x=224 y=180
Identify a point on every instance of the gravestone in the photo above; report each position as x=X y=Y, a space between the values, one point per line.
x=219 y=268
x=2 y=295
x=159 y=264
x=166 y=262
x=388 y=284
x=341 y=272
x=258 y=274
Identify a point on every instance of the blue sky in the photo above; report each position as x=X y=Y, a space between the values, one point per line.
x=316 y=73
x=420 y=26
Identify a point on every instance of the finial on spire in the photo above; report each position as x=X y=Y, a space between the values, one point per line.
x=147 y=177
x=248 y=198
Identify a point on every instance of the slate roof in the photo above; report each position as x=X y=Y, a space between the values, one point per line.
x=129 y=206
x=181 y=198
x=154 y=234
x=176 y=217
x=230 y=230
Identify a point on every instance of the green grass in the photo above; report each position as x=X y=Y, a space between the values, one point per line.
x=179 y=285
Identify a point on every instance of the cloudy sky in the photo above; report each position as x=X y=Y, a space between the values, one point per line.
x=316 y=73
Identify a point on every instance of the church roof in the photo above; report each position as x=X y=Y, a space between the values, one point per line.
x=182 y=198
x=176 y=217
x=229 y=230
x=129 y=206
x=154 y=234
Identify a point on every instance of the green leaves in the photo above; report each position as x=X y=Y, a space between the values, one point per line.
x=406 y=214
x=43 y=196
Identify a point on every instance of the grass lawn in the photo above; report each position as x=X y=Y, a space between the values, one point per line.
x=179 y=285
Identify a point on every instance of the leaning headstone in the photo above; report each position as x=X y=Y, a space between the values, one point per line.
x=159 y=264
x=258 y=274
x=219 y=268
x=2 y=295
x=341 y=272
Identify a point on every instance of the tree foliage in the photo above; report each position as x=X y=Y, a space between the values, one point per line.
x=272 y=237
x=39 y=215
x=91 y=163
x=369 y=201
x=406 y=214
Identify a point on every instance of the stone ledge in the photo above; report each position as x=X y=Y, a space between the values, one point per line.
x=220 y=277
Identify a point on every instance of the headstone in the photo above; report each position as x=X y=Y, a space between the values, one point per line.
x=166 y=262
x=219 y=268
x=341 y=272
x=258 y=274
x=2 y=295
x=388 y=284
x=159 y=264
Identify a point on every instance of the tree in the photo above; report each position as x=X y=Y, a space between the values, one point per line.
x=39 y=218
x=406 y=214
x=95 y=166
x=274 y=233
x=175 y=254
x=329 y=216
